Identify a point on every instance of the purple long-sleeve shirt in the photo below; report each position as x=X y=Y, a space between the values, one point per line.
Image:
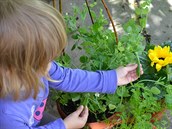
x=27 y=114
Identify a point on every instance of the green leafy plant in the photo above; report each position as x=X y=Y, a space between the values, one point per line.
x=137 y=101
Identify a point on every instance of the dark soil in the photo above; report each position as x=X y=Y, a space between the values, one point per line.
x=71 y=107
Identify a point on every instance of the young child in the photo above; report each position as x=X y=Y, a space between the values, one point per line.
x=32 y=35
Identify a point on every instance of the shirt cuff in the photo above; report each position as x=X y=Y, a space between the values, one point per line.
x=58 y=124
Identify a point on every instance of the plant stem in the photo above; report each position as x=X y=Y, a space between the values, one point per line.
x=122 y=96
x=147 y=80
x=138 y=64
x=138 y=17
x=86 y=1
x=110 y=17
x=169 y=73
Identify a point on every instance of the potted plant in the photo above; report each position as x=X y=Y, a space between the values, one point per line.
x=136 y=104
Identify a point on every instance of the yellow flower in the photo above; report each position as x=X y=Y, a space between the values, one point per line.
x=158 y=67
x=160 y=56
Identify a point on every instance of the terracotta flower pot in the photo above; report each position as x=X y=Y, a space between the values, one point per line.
x=157 y=115
x=60 y=111
x=114 y=120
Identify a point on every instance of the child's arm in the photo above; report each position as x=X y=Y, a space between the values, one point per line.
x=15 y=122
x=75 y=120
x=76 y=80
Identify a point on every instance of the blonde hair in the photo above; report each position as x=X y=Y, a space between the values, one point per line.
x=32 y=34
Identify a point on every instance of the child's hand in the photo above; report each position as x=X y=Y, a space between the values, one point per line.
x=127 y=74
x=77 y=119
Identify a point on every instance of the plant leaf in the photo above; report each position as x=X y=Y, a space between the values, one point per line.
x=155 y=90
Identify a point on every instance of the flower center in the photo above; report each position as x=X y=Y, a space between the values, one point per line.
x=161 y=58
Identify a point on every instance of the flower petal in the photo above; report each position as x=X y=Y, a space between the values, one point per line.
x=152 y=64
x=158 y=67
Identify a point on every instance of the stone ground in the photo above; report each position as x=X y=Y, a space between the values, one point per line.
x=159 y=26
x=159 y=20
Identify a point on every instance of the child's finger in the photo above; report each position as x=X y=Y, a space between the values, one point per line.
x=79 y=110
x=131 y=67
x=84 y=113
x=141 y=69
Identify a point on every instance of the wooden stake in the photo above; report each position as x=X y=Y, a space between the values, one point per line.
x=110 y=17
x=89 y=11
x=54 y=3
x=60 y=6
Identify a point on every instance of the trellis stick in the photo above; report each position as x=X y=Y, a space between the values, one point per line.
x=110 y=17
x=89 y=11
x=60 y=6
x=54 y=3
